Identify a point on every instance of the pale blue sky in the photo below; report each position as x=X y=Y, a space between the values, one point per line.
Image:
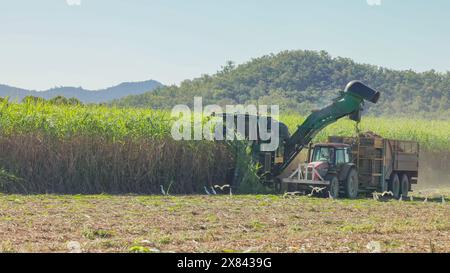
x=46 y=43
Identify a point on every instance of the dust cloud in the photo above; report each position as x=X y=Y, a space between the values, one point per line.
x=434 y=170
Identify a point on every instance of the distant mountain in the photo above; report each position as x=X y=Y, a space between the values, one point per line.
x=86 y=96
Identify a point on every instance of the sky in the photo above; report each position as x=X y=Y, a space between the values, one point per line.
x=100 y=43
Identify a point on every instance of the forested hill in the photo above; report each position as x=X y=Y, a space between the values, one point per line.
x=303 y=80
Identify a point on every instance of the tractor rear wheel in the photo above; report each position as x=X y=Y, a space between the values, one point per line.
x=333 y=189
x=351 y=185
x=404 y=189
x=394 y=186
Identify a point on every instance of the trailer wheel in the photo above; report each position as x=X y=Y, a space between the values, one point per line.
x=394 y=186
x=405 y=186
x=352 y=185
x=334 y=186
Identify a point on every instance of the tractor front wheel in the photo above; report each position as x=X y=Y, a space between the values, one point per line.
x=351 y=185
x=333 y=190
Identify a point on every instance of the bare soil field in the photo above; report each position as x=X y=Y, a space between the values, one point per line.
x=260 y=223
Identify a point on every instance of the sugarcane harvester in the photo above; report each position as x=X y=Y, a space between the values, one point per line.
x=280 y=166
x=323 y=170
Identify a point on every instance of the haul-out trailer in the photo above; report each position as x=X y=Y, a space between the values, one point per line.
x=344 y=166
x=348 y=166
x=383 y=164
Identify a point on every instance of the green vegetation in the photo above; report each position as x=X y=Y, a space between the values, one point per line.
x=63 y=121
x=433 y=135
x=52 y=148
x=58 y=100
x=93 y=149
x=300 y=81
x=98 y=233
x=117 y=124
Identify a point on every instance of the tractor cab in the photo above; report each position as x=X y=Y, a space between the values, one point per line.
x=332 y=153
x=328 y=158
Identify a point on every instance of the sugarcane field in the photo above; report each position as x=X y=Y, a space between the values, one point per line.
x=300 y=146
